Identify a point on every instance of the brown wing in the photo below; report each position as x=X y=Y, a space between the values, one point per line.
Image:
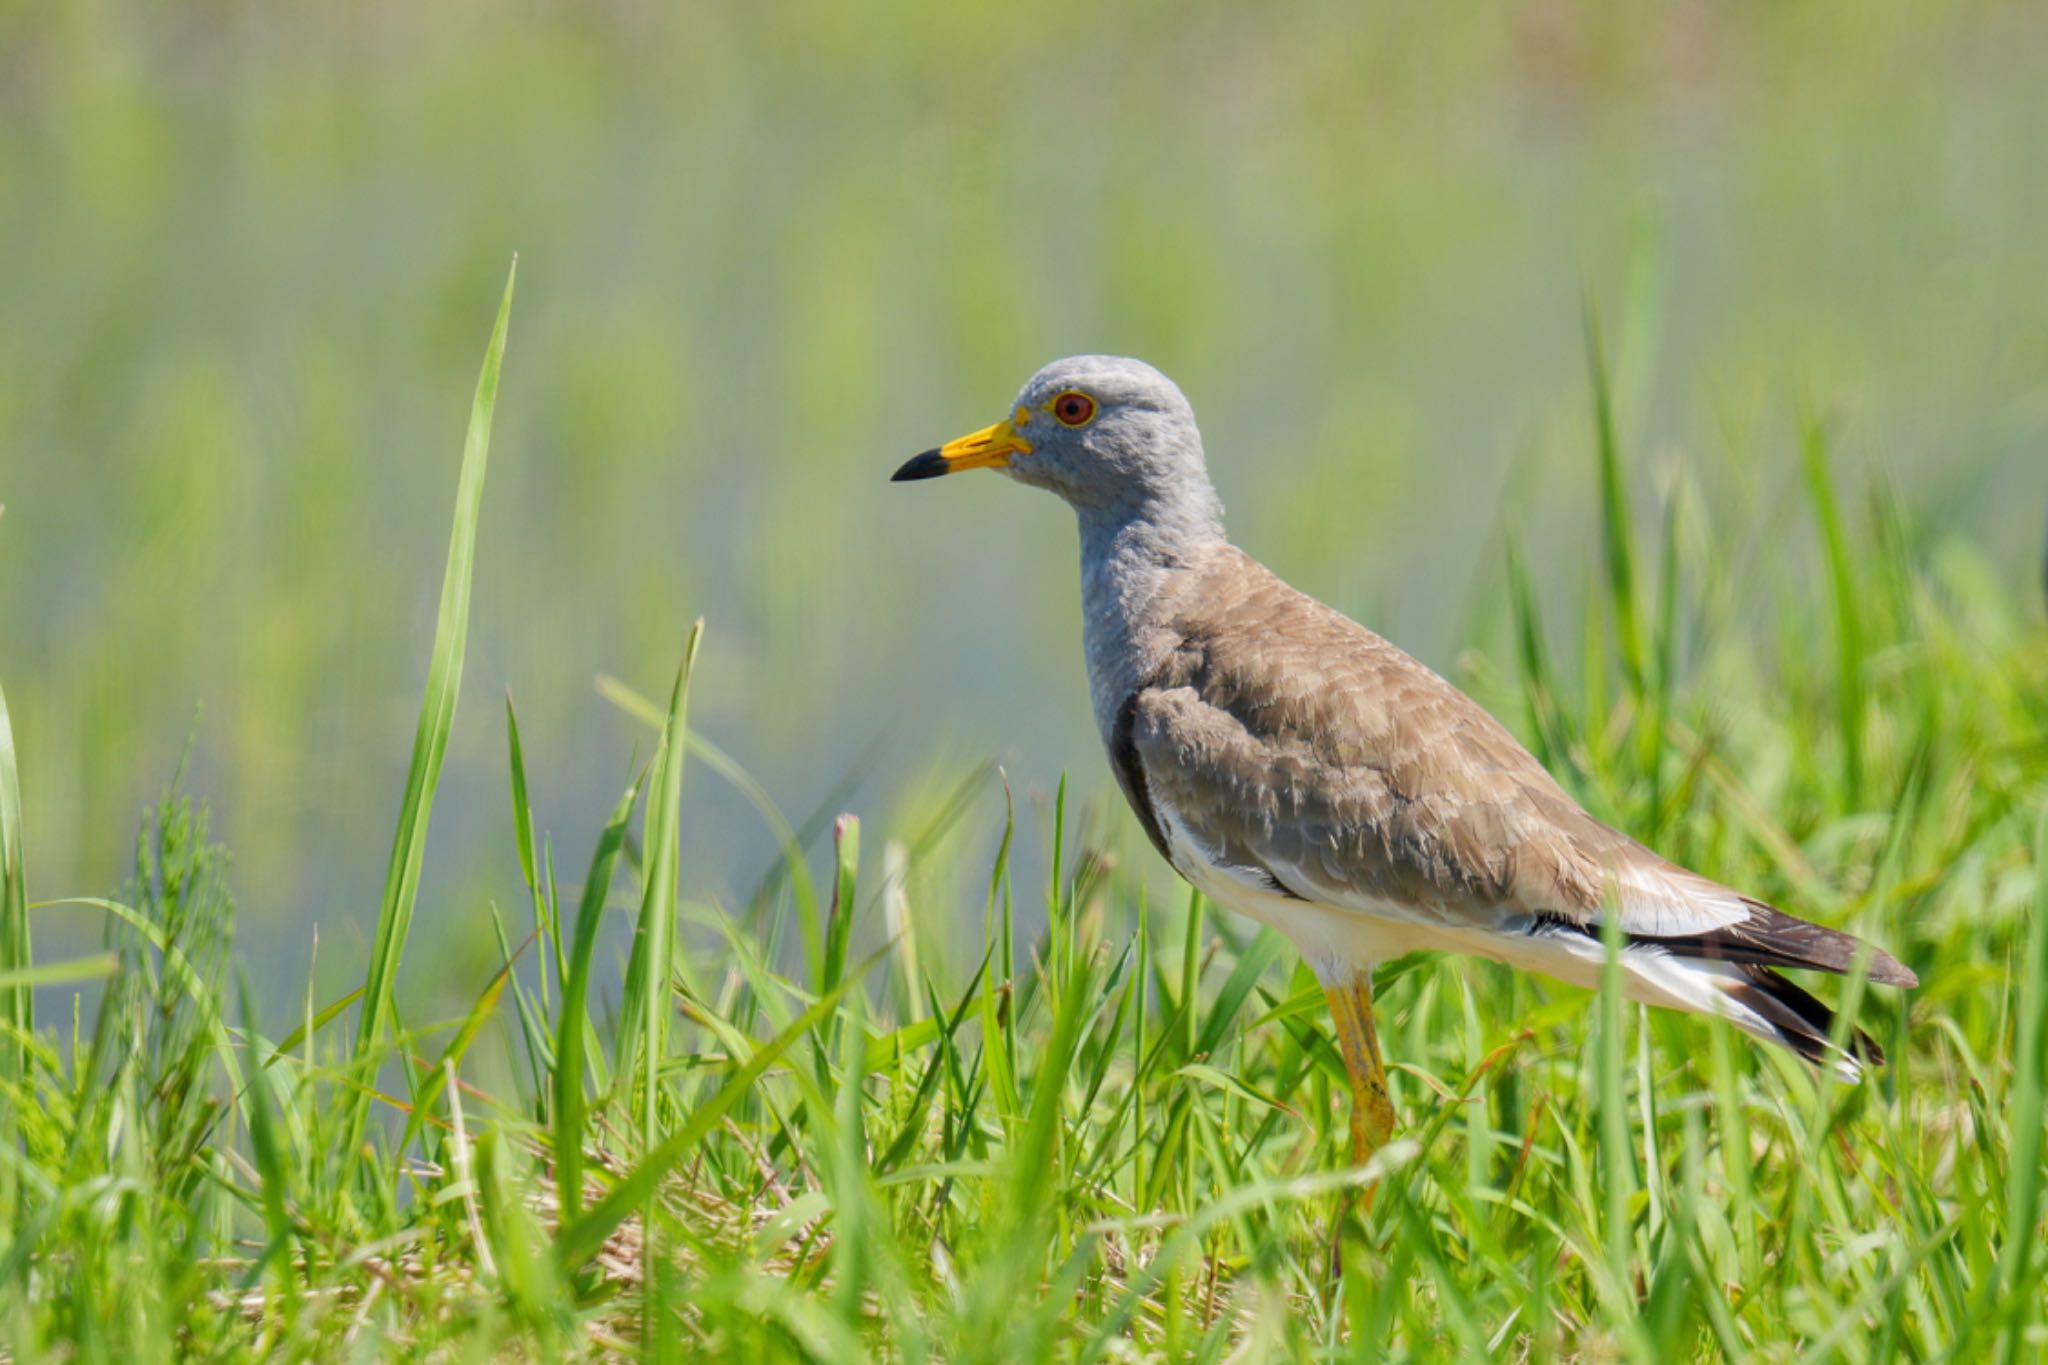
x=1287 y=738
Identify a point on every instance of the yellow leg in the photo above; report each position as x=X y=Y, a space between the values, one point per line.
x=1372 y=1112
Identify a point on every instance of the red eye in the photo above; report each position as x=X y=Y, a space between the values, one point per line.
x=1074 y=409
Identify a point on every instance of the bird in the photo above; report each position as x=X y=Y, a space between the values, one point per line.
x=1300 y=770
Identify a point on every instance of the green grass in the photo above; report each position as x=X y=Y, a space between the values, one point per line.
x=1123 y=1136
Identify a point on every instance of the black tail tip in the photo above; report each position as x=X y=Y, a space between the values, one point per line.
x=1803 y=1024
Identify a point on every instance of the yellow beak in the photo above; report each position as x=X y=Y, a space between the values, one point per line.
x=989 y=448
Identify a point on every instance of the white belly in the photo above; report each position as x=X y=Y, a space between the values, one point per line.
x=1333 y=940
x=1339 y=940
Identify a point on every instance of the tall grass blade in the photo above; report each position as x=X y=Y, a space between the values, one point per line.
x=573 y=1027
x=1546 y=727
x=839 y=923
x=273 y=1171
x=1650 y=742
x=998 y=1037
x=1615 y=536
x=17 y=1000
x=789 y=839
x=1260 y=953
x=313 y=1024
x=2024 y=1116
x=522 y=808
x=646 y=1007
x=553 y=953
x=437 y=716
x=648 y=1002
x=1844 y=591
x=91 y=967
x=900 y=928
x=847 y=1170
x=1617 y=1167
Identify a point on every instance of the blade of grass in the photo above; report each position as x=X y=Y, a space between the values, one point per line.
x=437 y=717
x=2029 y=1090
x=573 y=1026
x=529 y=866
x=312 y=1024
x=845 y=1168
x=647 y=1011
x=1058 y=925
x=1651 y=741
x=17 y=1002
x=536 y=1042
x=1251 y=964
x=839 y=920
x=900 y=928
x=644 y=1010
x=997 y=1017
x=91 y=967
x=1546 y=727
x=1035 y=1155
x=1615 y=537
x=789 y=839
x=1843 y=590
x=1140 y=1033
x=272 y=1170
x=1616 y=1160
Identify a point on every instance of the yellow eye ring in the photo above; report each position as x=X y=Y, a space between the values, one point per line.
x=1073 y=409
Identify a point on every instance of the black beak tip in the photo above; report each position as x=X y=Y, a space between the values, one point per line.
x=929 y=465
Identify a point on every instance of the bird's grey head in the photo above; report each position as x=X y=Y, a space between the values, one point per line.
x=1112 y=436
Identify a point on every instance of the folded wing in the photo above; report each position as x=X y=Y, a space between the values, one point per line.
x=1302 y=750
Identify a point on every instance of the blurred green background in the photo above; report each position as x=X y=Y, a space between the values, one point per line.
x=248 y=258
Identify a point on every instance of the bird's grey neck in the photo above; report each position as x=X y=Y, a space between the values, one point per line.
x=1131 y=558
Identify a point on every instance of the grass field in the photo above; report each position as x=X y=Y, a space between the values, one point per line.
x=1669 y=376
x=791 y=1129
